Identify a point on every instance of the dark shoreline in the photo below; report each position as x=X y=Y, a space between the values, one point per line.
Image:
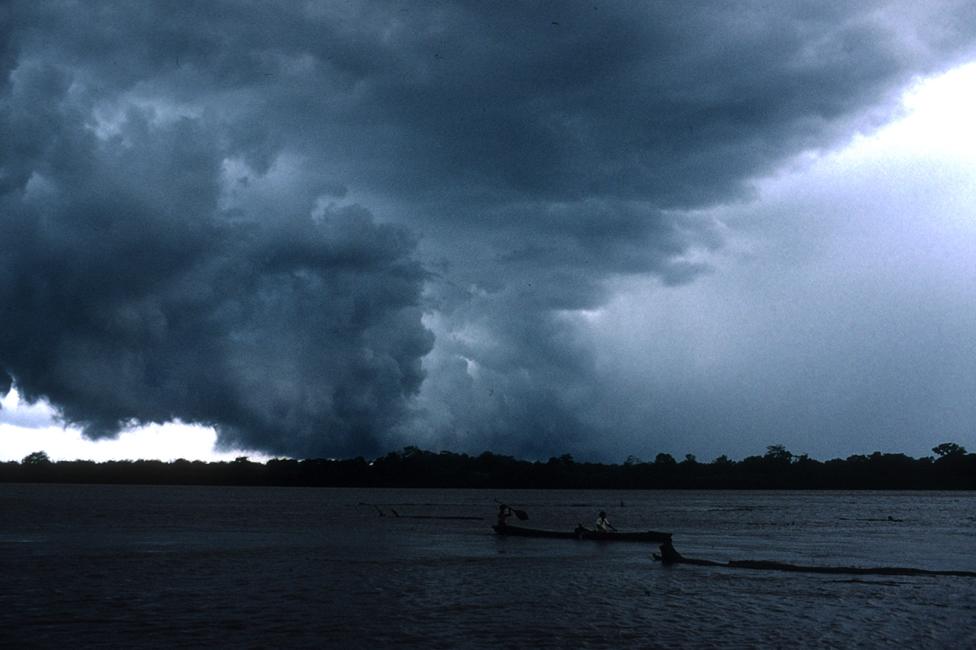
x=415 y=468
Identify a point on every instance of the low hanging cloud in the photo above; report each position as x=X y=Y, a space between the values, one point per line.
x=135 y=290
x=259 y=217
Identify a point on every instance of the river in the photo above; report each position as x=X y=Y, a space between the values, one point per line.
x=153 y=566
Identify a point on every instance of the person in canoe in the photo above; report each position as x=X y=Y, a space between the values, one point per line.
x=669 y=554
x=504 y=512
x=603 y=524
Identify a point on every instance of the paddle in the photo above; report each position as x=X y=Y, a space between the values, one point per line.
x=521 y=514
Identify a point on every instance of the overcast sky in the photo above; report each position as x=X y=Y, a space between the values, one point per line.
x=605 y=229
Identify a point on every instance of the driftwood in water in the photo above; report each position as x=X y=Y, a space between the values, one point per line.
x=670 y=556
x=398 y=515
x=453 y=517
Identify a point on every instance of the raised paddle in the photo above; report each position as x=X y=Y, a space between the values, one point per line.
x=521 y=514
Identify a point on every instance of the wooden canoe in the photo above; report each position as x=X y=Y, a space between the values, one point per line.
x=584 y=533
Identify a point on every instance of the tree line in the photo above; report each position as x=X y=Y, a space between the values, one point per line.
x=952 y=467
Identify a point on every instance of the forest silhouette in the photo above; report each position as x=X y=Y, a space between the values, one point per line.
x=952 y=468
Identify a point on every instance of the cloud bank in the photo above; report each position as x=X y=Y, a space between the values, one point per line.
x=328 y=229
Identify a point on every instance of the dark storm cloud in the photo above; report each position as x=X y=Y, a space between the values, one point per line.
x=6 y=381
x=128 y=295
x=183 y=236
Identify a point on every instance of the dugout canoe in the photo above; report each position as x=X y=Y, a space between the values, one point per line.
x=584 y=533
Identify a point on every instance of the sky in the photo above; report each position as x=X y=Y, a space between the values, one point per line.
x=605 y=229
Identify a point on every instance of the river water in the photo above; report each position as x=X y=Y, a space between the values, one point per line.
x=150 y=566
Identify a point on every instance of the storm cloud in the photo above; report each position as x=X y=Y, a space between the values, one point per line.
x=328 y=229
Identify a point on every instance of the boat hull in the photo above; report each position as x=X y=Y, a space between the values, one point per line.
x=584 y=533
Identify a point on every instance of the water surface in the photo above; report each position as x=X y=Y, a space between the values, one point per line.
x=150 y=566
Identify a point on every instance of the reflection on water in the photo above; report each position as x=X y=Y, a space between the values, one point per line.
x=275 y=567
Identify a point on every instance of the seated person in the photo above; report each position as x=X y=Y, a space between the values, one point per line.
x=669 y=555
x=504 y=512
x=603 y=524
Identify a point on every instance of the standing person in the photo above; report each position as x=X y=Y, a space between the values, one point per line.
x=603 y=524
x=504 y=512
